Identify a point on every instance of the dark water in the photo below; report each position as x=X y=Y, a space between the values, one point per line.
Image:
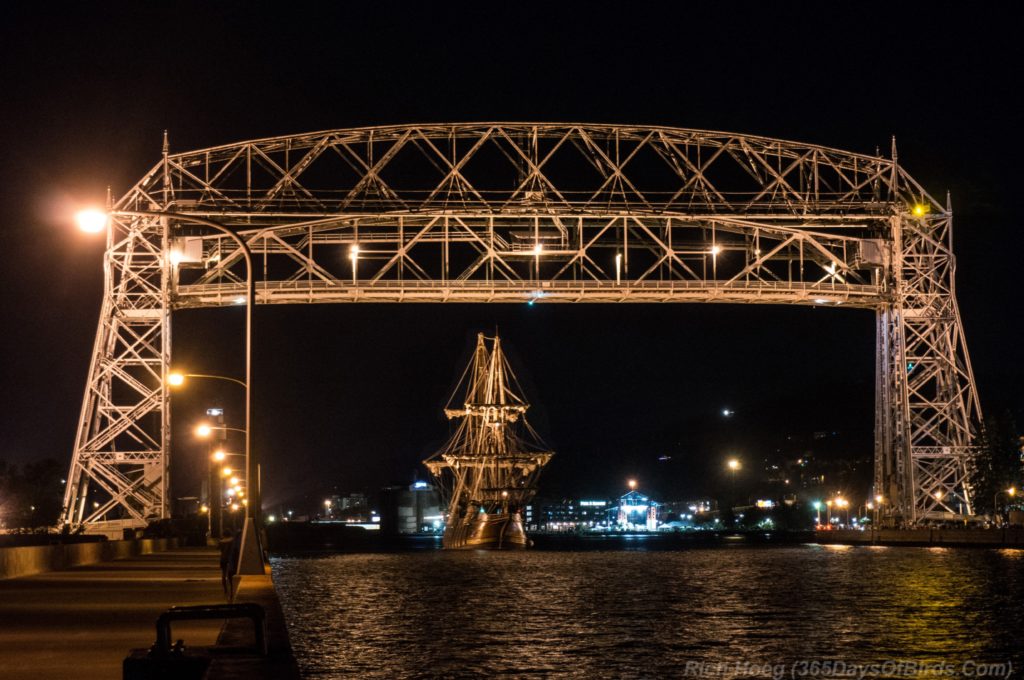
x=780 y=609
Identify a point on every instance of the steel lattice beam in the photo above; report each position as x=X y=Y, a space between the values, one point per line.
x=515 y=212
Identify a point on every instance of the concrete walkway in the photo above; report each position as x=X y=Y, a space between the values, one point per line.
x=80 y=623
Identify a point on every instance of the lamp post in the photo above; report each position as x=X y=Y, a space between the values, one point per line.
x=353 y=254
x=1009 y=493
x=817 y=508
x=733 y=466
x=94 y=221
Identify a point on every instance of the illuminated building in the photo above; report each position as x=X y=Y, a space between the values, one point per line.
x=635 y=511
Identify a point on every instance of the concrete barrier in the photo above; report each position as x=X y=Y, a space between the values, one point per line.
x=36 y=559
x=1007 y=537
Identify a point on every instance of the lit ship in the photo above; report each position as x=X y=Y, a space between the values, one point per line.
x=489 y=468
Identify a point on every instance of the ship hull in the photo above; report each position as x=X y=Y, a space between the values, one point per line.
x=487 y=532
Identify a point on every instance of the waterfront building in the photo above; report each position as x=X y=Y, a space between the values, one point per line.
x=411 y=509
x=568 y=514
x=635 y=511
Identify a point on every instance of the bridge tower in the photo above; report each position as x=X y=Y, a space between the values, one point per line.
x=538 y=213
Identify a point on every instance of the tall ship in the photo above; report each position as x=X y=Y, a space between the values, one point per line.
x=488 y=469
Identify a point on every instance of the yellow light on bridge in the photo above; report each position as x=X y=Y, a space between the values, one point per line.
x=203 y=430
x=226 y=472
x=715 y=250
x=920 y=210
x=175 y=379
x=632 y=484
x=1012 y=491
x=219 y=456
x=92 y=221
x=733 y=464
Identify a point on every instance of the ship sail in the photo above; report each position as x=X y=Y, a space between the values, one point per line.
x=488 y=470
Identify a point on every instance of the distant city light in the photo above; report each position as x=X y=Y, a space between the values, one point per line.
x=632 y=484
x=420 y=485
x=271 y=518
x=727 y=412
x=215 y=412
x=733 y=464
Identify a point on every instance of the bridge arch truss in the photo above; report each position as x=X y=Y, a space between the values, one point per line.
x=529 y=212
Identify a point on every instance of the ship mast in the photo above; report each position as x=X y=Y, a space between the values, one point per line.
x=493 y=459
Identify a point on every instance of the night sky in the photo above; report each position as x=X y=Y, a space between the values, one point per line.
x=350 y=396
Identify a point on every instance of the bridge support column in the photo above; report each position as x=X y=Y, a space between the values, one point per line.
x=122 y=445
x=928 y=415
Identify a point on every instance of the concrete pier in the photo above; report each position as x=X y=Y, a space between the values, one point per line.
x=1009 y=537
x=81 y=622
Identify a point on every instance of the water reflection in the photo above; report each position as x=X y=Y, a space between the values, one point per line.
x=626 y=613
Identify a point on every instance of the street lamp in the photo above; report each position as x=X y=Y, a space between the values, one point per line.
x=733 y=466
x=96 y=221
x=632 y=485
x=176 y=379
x=1010 y=493
x=353 y=254
x=817 y=508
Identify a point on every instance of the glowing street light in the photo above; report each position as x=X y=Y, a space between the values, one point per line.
x=219 y=456
x=733 y=464
x=1010 y=493
x=177 y=378
x=204 y=430
x=817 y=509
x=618 y=269
x=353 y=254
x=632 y=484
x=92 y=221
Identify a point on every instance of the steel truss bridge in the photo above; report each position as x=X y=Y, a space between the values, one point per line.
x=520 y=212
